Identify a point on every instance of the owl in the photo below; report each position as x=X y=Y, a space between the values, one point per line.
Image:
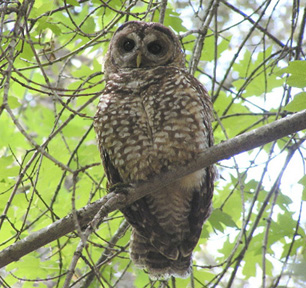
x=153 y=116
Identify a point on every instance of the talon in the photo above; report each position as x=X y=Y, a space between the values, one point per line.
x=120 y=188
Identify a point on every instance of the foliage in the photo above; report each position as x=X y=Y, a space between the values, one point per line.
x=252 y=61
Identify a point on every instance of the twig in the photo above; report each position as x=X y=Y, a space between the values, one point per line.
x=162 y=12
x=119 y=233
x=198 y=47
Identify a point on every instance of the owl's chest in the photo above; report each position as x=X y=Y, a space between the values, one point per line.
x=129 y=115
x=147 y=114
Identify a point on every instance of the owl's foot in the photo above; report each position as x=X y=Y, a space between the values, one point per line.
x=121 y=188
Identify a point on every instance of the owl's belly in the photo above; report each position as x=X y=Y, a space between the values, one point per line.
x=177 y=197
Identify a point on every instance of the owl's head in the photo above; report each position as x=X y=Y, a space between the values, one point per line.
x=143 y=45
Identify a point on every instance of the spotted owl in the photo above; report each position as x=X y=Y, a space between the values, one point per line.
x=153 y=116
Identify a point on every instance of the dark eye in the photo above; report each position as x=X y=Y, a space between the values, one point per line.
x=155 y=48
x=128 y=45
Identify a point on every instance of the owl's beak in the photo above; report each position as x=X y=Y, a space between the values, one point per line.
x=138 y=59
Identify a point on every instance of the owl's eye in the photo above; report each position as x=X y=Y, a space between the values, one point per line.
x=128 y=45
x=155 y=48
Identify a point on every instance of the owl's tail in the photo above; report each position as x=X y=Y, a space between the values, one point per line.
x=145 y=256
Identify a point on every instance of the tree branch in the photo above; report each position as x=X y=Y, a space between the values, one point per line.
x=113 y=201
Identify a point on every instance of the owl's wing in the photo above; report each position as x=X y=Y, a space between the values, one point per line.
x=139 y=216
x=111 y=172
x=199 y=212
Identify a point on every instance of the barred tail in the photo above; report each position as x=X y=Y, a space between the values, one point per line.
x=145 y=256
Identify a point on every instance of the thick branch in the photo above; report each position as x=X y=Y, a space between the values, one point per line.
x=113 y=201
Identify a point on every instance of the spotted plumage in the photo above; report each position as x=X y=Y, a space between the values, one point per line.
x=153 y=117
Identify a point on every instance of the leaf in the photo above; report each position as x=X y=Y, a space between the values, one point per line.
x=261 y=79
x=252 y=261
x=208 y=52
x=10 y=137
x=302 y=181
x=219 y=219
x=13 y=102
x=293 y=249
x=33 y=267
x=260 y=84
x=286 y=223
x=249 y=267
x=238 y=122
x=299 y=269
x=47 y=23
x=73 y=2
x=6 y=169
x=40 y=7
x=283 y=201
x=89 y=26
x=27 y=52
x=174 y=20
x=54 y=28
x=297 y=71
x=141 y=279
x=204 y=274
x=298 y=103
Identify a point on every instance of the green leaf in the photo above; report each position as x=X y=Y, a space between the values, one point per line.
x=283 y=201
x=47 y=22
x=13 y=102
x=208 y=52
x=33 y=267
x=220 y=219
x=89 y=26
x=298 y=103
x=226 y=248
x=249 y=267
x=73 y=2
x=42 y=6
x=173 y=20
x=250 y=264
x=243 y=65
x=299 y=270
x=27 y=52
x=293 y=249
x=238 y=123
x=199 y=273
x=10 y=137
x=260 y=77
x=54 y=28
x=7 y=169
x=303 y=182
x=297 y=71
x=141 y=279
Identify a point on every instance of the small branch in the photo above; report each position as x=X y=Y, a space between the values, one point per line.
x=112 y=201
x=162 y=12
x=107 y=252
x=198 y=47
x=109 y=205
x=249 y=19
